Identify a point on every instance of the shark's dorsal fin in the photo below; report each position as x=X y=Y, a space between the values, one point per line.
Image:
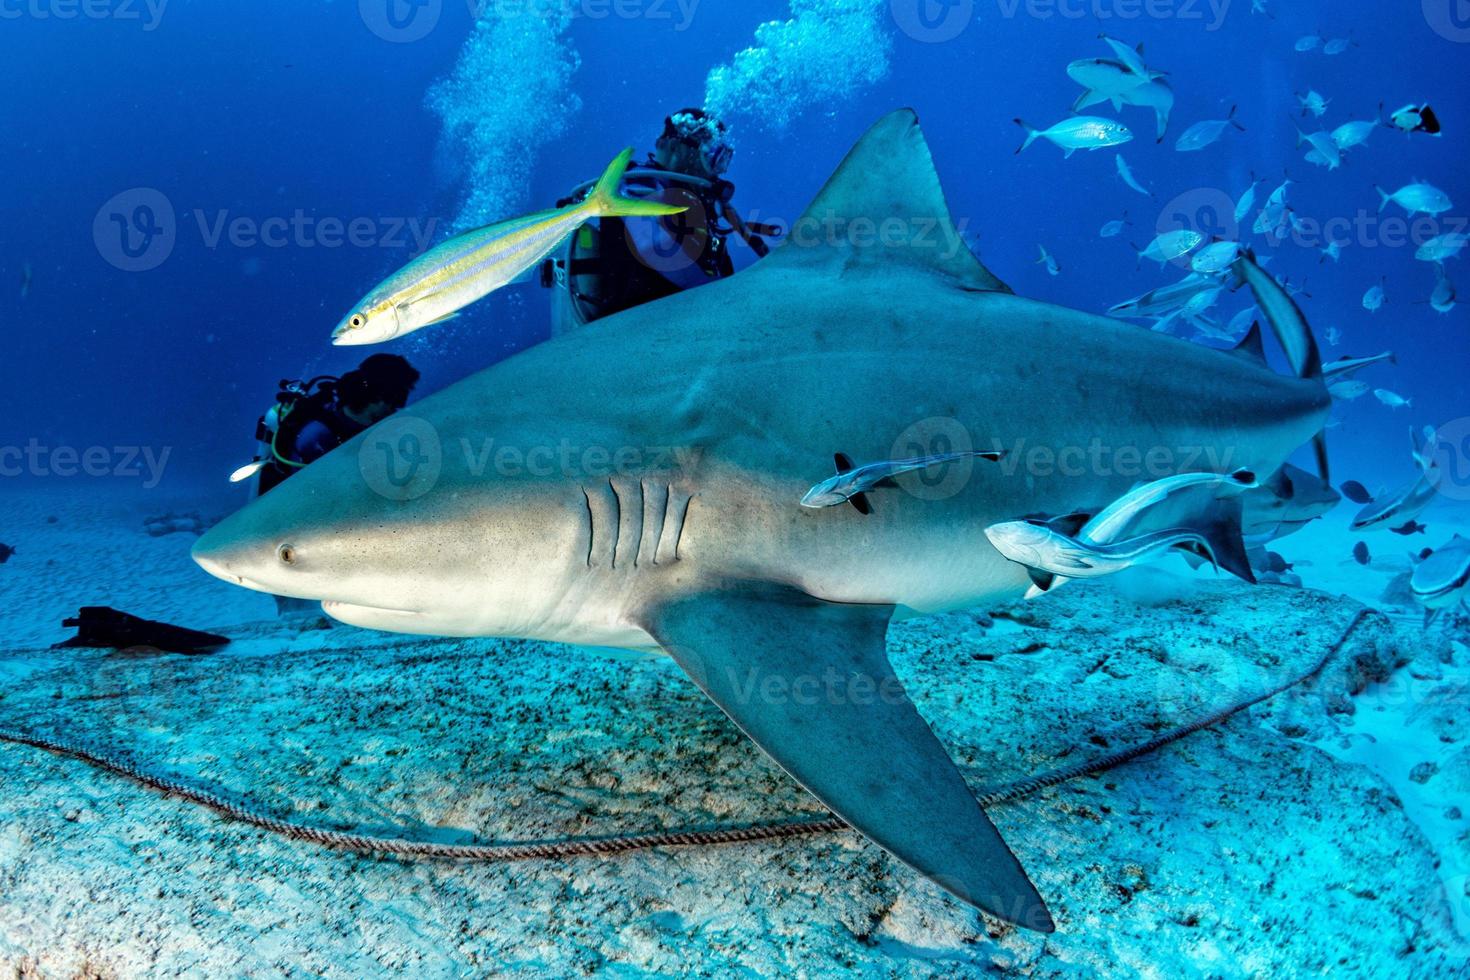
x=885 y=205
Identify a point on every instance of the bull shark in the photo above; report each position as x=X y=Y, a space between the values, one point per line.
x=777 y=612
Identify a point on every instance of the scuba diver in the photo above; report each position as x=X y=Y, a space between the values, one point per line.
x=312 y=418
x=615 y=264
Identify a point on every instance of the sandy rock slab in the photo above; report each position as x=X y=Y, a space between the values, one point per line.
x=1244 y=851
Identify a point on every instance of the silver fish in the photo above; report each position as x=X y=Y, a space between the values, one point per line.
x=1049 y=261
x=1392 y=399
x=1443 y=298
x=1172 y=245
x=1374 y=299
x=1324 y=151
x=1415 y=198
x=1078 y=133
x=1308 y=42
x=1314 y=103
x=1351 y=134
x=1348 y=390
x=1441 y=248
x=1202 y=134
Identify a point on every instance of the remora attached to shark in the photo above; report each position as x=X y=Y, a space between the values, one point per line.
x=778 y=612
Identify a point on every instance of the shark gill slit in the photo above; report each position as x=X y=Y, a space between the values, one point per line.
x=683 y=523
x=591 y=526
x=617 y=522
x=661 y=513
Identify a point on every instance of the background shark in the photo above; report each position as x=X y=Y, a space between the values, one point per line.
x=872 y=332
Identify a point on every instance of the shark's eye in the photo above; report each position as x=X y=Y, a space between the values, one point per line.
x=287 y=554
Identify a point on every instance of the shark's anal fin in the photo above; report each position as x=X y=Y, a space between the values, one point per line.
x=809 y=681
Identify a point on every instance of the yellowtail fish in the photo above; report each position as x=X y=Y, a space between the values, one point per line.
x=447 y=278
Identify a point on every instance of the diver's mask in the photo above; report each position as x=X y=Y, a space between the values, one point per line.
x=705 y=134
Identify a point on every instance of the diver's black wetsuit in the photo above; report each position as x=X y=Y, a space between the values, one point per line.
x=615 y=264
x=315 y=425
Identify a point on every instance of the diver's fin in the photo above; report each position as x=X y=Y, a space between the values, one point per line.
x=605 y=201
x=888 y=181
x=1253 y=344
x=769 y=655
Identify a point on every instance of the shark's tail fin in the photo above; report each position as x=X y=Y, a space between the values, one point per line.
x=1291 y=329
x=605 y=200
x=1031 y=133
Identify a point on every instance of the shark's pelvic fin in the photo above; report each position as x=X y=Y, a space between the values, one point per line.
x=809 y=681
x=885 y=205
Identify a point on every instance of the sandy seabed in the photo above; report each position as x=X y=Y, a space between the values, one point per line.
x=1325 y=833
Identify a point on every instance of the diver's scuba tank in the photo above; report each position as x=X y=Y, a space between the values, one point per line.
x=283 y=414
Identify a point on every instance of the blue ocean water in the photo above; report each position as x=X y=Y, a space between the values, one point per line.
x=197 y=193
x=273 y=121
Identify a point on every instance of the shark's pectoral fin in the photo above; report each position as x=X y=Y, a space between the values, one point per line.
x=809 y=681
x=1042 y=580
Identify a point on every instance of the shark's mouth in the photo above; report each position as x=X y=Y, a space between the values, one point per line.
x=347 y=612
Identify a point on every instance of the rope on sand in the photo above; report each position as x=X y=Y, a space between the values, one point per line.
x=604 y=846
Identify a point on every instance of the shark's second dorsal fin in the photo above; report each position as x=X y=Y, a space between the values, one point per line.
x=1253 y=344
x=885 y=205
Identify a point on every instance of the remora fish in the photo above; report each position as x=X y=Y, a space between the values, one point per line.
x=1049 y=553
x=852 y=483
x=1442 y=580
x=710 y=557
x=1404 y=504
x=1126 y=173
x=468 y=267
x=1116 y=520
x=1344 y=366
x=1078 y=133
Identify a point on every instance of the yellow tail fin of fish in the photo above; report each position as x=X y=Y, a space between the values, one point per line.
x=605 y=200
